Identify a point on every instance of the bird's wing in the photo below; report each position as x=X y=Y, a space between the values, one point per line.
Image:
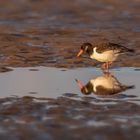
x=101 y=90
x=103 y=47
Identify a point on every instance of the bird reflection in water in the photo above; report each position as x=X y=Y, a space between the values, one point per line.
x=107 y=84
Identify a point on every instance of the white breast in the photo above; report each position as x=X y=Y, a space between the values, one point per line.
x=105 y=56
x=105 y=81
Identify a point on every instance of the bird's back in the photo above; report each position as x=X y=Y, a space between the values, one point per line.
x=106 y=46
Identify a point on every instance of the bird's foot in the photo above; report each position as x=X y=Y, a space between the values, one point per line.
x=107 y=73
x=105 y=67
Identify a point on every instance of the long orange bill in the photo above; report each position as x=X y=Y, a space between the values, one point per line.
x=80 y=52
x=81 y=86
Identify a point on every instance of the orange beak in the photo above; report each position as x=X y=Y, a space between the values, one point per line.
x=81 y=86
x=80 y=52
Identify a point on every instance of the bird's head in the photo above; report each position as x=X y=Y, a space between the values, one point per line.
x=86 y=47
x=84 y=89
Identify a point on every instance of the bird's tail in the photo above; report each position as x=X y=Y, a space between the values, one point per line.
x=124 y=50
x=125 y=87
x=131 y=50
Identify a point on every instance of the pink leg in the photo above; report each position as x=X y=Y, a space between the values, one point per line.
x=105 y=67
x=108 y=63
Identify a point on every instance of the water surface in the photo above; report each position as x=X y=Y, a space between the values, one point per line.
x=54 y=82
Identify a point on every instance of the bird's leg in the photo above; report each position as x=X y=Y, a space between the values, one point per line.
x=108 y=64
x=103 y=66
x=107 y=73
x=107 y=68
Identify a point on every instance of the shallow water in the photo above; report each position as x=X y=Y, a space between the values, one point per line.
x=54 y=82
x=48 y=104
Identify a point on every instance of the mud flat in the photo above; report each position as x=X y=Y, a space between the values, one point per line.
x=65 y=118
x=43 y=33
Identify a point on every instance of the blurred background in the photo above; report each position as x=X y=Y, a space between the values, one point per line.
x=59 y=28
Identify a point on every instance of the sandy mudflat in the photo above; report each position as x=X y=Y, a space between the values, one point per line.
x=66 y=118
x=34 y=32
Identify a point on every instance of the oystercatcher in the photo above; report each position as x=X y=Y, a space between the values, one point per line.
x=104 y=52
x=103 y=85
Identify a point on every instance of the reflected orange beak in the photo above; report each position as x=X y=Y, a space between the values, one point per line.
x=80 y=52
x=81 y=86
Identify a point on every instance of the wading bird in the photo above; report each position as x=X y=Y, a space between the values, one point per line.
x=106 y=84
x=104 y=52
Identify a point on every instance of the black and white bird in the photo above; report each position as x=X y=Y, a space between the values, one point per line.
x=104 y=52
x=103 y=85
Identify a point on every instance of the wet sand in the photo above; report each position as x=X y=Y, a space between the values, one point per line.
x=65 y=118
x=34 y=33
x=45 y=33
